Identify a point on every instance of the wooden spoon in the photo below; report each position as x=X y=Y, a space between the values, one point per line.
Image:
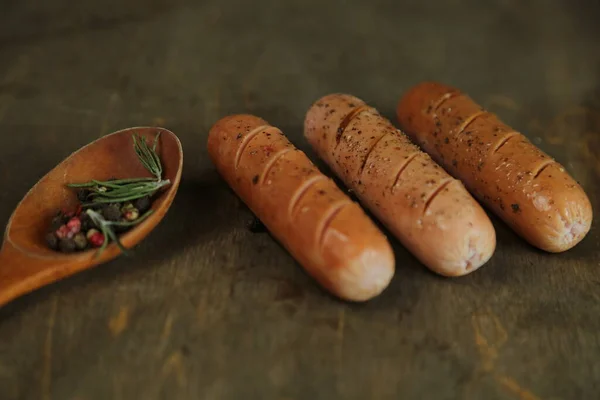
x=26 y=263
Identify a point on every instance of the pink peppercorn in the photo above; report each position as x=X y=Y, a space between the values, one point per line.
x=74 y=225
x=63 y=232
x=96 y=239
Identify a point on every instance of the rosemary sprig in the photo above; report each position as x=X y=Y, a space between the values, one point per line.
x=148 y=156
x=128 y=195
x=124 y=190
x=106 y=229
x=128 y=189
x=115 y=182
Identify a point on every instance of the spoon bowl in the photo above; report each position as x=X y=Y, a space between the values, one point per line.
x=26 y=262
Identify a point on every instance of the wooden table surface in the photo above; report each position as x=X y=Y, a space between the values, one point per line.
x=209 y=310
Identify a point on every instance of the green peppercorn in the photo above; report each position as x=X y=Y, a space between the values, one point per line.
x=131 y=214
x=80 y=241
x=66 y=245
x=126 y=207
x=52 y=240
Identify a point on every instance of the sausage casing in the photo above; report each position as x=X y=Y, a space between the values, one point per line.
x=323 y=229
x=524 y=186
x=430 y=212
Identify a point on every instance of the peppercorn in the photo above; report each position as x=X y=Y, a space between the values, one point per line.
x=62 y=232
x=52 y=240
x=66 y=245
x=87 y=223
x=111 y=212
x=126 y=206
x=74 y=225
x=57 y=221
x=130 y=213
x=142 y=204
x=80 y=241
x=96 y=238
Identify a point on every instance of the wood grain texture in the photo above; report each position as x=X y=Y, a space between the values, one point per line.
x=207 y=309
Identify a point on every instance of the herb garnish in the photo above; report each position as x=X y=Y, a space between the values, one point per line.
x=98 y=194
x=121 y=190
x=106 y=228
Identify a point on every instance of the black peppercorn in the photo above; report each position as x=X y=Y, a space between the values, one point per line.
x=52 y=240
x=142 y=204
x=87 y=223
x=111 y=212
x=66 y=245
x=57 y=221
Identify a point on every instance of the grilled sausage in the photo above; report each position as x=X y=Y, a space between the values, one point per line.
x=430 y=212
x=323 y=229
x=524 y=186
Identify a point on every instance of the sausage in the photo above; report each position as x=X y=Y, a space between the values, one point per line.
x=520 y=183
x=431 y=213
x=325 y=231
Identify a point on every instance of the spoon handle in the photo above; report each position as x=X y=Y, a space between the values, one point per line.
x=19 y=273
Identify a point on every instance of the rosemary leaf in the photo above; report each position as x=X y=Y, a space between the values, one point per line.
x=128 y=180
x=143 y=157
x=155 y=142
x=115 y=199
x=114 y=238
x=105 y=243
x=126 y=189
x=155 y=155
x=125 y=195
x=95 y=182
x=106 y=184
x=147 y=156
x=109 y=234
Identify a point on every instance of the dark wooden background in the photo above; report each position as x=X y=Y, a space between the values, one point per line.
x=207 y=309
